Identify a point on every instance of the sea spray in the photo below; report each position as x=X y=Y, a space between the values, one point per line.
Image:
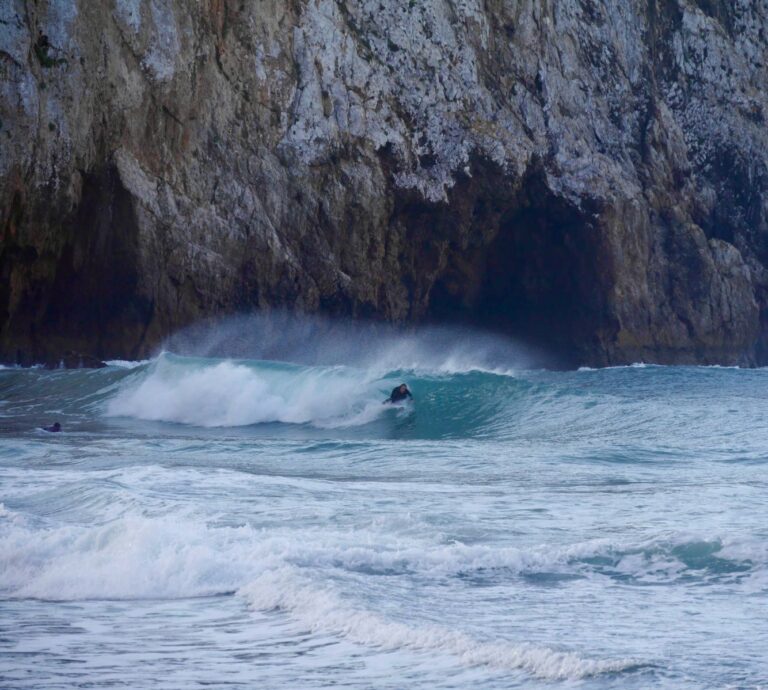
x=368 y=345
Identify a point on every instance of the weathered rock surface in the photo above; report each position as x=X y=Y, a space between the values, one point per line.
x=587 y=174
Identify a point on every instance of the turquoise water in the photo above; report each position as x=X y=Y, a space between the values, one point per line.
x=263 y=523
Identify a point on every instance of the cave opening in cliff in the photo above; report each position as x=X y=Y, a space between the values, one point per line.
x=540 y=278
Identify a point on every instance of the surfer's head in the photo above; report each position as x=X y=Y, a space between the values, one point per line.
x=402 y=388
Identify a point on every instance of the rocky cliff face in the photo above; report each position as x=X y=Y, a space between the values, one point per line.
x=587 y=174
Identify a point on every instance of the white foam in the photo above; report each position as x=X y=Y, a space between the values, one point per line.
x=126 y=363
x=323 y=611
x=130 y=558
x=635 y=365
x=302 y=573
x=176 y=556
x=135 y=556
x=742 y=549
x=216 y=394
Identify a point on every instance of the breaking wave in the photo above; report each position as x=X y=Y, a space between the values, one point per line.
x=302 y=575
x=138 y=557
x=214 y=393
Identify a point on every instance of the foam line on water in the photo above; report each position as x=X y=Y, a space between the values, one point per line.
x=321 y=610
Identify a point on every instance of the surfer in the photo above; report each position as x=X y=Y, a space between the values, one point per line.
x=399 y=393
x=53 y=428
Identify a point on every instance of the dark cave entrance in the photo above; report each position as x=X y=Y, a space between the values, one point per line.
x=542 y=276
x=95 y=298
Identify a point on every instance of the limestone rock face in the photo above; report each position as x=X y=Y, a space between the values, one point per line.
x=587 y=174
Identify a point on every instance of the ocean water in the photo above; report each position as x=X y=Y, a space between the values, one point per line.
x=265 y=522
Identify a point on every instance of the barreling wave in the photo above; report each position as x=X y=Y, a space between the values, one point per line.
x=226 y=393
x=322 y=372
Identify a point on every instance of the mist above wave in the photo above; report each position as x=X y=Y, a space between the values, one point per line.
x=373 y=346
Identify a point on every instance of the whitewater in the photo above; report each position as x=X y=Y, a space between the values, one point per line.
x=241 y=510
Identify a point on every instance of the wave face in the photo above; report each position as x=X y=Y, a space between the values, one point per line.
x=214 y=513
x=227 y=393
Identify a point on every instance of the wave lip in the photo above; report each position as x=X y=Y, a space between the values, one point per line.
x=127 y=363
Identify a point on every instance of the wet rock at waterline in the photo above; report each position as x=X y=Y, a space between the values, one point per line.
x=590 y=176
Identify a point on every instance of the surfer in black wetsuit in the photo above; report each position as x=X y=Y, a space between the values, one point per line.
x=399 y=393
x=53 y=428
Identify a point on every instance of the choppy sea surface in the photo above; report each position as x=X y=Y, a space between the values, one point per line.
x=257 y=523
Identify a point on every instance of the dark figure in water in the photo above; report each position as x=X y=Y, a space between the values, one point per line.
x=399 y=393
x=53 y=428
